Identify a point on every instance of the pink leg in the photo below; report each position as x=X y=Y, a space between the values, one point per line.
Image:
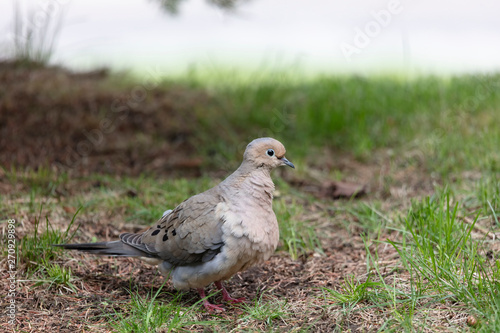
x=209 y=306
x=225 y=295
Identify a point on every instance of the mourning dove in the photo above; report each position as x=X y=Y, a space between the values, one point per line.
x=215 y=234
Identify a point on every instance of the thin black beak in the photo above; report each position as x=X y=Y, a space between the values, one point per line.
x=287 y=162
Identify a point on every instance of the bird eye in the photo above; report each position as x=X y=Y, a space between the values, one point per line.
x=270 y=152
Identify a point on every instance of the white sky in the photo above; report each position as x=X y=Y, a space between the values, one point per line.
x=422 y=36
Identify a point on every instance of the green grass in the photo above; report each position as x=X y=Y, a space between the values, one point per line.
x=353 y=291
x=297 y=234
x=491 y=320
x=36 y=254
x=144 y=313
x=444 y=262
x=265 y=311
x=449 y=121
x=36 y=250
x=367 y=217
x=487 y=195
x=52 y=275
x=151 y=312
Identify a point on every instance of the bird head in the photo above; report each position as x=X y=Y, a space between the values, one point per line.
x=266 y=153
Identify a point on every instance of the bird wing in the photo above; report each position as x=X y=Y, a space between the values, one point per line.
x=190 y=234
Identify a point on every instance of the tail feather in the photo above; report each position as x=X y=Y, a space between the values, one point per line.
x=115 y=248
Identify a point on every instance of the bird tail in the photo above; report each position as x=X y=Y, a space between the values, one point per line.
x=115 y=248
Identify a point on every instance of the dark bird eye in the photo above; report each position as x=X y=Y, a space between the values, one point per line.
x=270 y=152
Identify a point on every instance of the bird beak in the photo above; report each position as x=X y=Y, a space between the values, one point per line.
x=287 y=162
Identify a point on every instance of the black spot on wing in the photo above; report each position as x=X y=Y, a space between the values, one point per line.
x=156 y=232
x=175 y=250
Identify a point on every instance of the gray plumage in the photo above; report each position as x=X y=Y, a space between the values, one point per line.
x=215 y=234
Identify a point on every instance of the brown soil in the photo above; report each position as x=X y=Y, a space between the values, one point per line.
x=83 y=123
x=103 y=284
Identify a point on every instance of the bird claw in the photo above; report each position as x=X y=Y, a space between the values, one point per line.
x=213 y=307
x=231 y=300
x=225 y=294
x=209 y=306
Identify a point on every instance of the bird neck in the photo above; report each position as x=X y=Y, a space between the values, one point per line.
x=253 y=182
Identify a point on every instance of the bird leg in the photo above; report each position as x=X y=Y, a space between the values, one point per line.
x=225 y=295
x=209 y=306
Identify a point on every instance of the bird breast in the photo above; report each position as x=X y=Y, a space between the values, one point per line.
x=250 y=226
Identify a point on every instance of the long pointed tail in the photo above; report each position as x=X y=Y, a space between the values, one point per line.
x=115 y=248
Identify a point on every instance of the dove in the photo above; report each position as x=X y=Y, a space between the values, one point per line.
x=215 y=234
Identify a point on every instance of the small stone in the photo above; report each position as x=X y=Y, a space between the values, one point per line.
x=471 y=321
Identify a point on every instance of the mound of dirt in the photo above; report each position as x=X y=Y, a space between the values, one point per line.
x=91 y=122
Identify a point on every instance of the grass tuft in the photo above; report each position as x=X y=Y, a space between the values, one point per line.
x=35 y=33
x=266 y=311
x=352 y=291
x=296 y=234
x=444 y=260
x=56 y=276
x=36 y=249
x=145 y=313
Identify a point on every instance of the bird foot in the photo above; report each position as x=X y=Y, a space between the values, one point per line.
x=213 y=307
x=209 y=306
x=225 y=294
x=229 y=299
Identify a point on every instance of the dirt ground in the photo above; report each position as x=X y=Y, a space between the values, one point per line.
x=53 y=117
x=102 y=280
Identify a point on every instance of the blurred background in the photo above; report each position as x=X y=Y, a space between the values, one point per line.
x=314 y=37
x=143 y=85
